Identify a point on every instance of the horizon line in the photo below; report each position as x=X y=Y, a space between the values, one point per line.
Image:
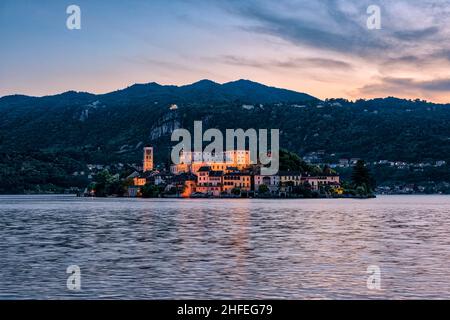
x=215 y=82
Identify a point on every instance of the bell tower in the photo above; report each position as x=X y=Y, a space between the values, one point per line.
x=148 y=159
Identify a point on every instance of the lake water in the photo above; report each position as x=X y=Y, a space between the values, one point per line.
x=242 y=249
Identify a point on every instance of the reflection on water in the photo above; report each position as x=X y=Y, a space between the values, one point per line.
x=204 y=249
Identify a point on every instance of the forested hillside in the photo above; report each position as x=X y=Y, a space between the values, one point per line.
x=66 y=131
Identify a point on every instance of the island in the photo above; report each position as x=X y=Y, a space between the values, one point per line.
x=234 y=177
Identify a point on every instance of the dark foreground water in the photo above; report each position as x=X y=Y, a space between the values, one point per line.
x=205 y=249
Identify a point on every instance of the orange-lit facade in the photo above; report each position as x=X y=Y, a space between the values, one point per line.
x=193 y=161
x=237 y=180
x=139 y=181
x=189 y=189
x=209 y=182
x=219 y=176
x=148 y=159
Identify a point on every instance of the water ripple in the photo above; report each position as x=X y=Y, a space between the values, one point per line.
x=240 y=249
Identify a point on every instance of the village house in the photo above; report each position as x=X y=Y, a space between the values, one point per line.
x=163 y=178
x=139 y=181
x=133 y=192
x=316 y=182
x=237 y=180
x=289 y=180
x=271 y=182
x=209 y=182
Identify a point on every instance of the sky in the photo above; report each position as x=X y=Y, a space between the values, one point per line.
x=323 y=47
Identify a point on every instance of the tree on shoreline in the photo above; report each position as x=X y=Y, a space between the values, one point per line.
x=362 y=179
x=236 y=191
x=263 y=189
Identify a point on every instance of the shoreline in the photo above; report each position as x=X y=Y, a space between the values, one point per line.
x=371 y=196
x=233 y=198
x=191 y=198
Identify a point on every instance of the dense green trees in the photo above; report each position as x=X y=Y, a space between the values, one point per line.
x=40 y=172
x=151 y=191
x=363 y=181
x=304 y=190
x=263 y=189
x=236 y=191
x=43 y=141
x=290 y=161
x=107 y=184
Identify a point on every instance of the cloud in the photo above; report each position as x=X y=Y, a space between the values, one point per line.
x=300 y=63
x=405 y=86
x=340 y=25
x=439 y=85
x=411 y=48
x=438 y=56
x=322 y=25
x=414 y=35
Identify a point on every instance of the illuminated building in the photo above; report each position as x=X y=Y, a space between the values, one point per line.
x=224 y=161
x=148 y=159
x=316 y=182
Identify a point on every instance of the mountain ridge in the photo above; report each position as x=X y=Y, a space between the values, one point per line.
x=45 y=140
x=241 y=89
x=233 y=90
